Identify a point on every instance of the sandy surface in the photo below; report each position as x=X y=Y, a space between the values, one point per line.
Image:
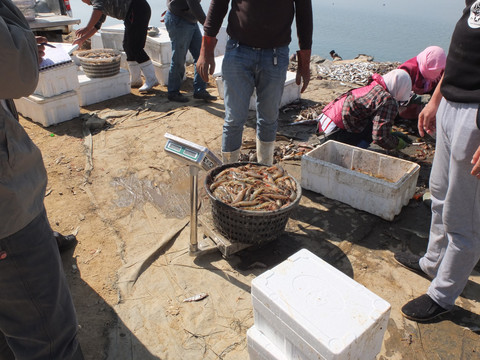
x=128 y=203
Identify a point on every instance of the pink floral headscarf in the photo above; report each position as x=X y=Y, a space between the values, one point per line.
x=431 y=62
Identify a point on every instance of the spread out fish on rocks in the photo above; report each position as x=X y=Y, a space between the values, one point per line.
x=254 y=187
x=354 y=72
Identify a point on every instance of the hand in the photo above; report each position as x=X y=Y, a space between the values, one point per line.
x=206 y=61
x=83 y=35
x=80 y=33
x=303 y=69
x=420 y=99
x=40 y=48
x=427 y=120
x=476 y=164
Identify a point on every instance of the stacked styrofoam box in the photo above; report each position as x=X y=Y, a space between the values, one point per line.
x=112 y=36
x=49 y=110
x=364 y=179
x=161 y=72
x=92 y=91
x=307 y=309
x=96 y=41
x=57 y=80
x=261 y=348
x=291 y=90
x=54 y=100
x=159 y=48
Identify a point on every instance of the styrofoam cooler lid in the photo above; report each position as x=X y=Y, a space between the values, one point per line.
x=318 y=302
x=117 y=28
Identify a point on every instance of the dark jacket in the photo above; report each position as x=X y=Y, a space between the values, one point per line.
x=264 y=24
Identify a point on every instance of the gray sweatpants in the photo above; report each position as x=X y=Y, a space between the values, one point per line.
x=454 y=243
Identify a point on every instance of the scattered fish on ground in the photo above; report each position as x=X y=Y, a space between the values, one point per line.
x=197 y=297
x=354 y=72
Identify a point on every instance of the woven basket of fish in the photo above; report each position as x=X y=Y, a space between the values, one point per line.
x=251 y=202
x=100 y=63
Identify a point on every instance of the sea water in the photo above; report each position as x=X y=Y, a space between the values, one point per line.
x=388 y=30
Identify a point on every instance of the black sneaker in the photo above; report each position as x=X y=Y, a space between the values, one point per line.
x=204 y=95
x=410 y=262
x=422 y=309
x=178 y=98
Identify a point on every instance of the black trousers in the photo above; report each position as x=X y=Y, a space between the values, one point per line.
x=37 y=315
x=136 y=27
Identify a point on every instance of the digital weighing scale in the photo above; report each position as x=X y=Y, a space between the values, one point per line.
x=198 y=158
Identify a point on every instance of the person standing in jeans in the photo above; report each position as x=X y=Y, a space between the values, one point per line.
x=256 y=58
x=181 y=21
x=37 y=315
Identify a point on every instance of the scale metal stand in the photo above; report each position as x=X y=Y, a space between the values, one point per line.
x=200 y=158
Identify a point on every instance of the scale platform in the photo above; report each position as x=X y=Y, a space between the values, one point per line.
x=200 y=158
x=213 y=240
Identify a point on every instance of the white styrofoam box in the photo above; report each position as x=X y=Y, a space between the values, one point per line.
x=364 y=179
x=291 y=90
x=261 y=348
x=49 y=110
x=57 y=80
x=310 y=310
x=96 y=41
x=112 y=36
x=92 y=91
x=159 y=48
x=161 y=72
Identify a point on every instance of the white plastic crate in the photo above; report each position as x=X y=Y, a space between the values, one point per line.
x=364 y=179
x=92 y=91
x=49 y=110
x=310 y=310
x=261 y=348
x=291 y=90
x=57 y=80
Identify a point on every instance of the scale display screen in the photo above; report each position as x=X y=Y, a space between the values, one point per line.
x=191 y=153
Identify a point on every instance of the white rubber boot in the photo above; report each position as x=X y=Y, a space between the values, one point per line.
x=230 y=157
x=265 y=152
x=149 y=73
x=135 y=78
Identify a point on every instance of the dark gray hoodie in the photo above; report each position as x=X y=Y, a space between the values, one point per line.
x=190 y=10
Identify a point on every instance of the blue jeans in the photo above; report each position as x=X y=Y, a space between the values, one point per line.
x=184 y=36
x=244 y=69
x=37 y=316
